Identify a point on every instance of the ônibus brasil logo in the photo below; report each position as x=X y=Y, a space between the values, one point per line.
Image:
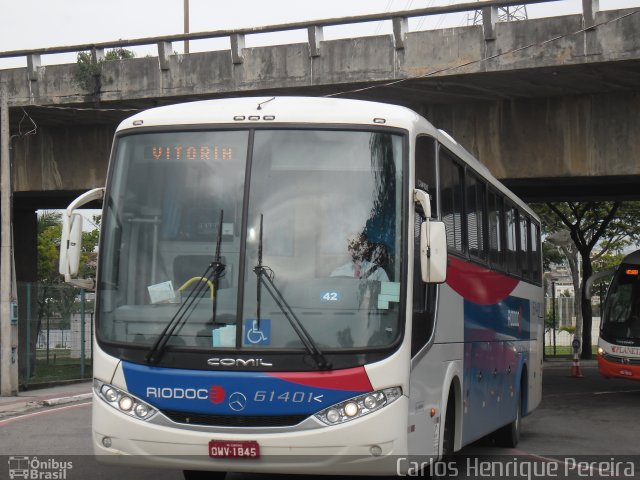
x=34 y=468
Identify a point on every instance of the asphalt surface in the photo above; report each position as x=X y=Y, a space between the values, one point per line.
x=579 y=419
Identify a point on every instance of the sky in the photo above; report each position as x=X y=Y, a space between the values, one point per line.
x=31 y=24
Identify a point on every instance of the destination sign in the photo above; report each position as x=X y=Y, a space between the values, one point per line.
x=190 y=152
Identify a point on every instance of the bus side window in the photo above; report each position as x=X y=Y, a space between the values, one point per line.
x=424 y=296
x=511 y=224
x=535 y=252
x=496 y=221
x=524 y=250
x=451 y=199
x=475 y=196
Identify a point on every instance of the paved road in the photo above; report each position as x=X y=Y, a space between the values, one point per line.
x=577 y=418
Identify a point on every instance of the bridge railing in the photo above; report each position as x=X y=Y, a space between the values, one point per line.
x=314 y=29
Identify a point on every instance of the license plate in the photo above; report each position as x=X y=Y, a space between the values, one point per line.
x=229 y=449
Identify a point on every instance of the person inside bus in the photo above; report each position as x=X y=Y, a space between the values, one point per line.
x=367 y=260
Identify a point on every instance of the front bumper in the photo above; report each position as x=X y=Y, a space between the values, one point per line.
x=370 y=445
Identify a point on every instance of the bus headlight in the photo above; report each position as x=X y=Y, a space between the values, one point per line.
x=122 y=401
x=359 y=406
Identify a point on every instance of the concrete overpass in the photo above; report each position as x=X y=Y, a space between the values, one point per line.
x=549 y=105
x=548 y=102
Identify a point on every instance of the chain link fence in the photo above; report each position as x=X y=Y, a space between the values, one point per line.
x=55 y=331
x=559 y=341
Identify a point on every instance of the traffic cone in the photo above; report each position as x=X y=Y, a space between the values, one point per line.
x=575 y=368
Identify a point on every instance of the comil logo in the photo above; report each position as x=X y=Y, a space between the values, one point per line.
x=238 y=362
x=38 y=469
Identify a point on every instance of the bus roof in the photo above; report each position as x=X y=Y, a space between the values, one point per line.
x=260 y=110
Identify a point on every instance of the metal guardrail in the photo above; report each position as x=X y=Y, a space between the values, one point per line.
x=314 y=28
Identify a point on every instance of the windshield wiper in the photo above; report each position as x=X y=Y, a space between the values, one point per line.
x=218 y=268
x=265 y=275
x=213 y=273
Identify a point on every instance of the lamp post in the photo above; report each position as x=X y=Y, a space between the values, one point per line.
x=553 y=314
x=186 y=25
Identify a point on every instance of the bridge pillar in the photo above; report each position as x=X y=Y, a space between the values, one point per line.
x=25 y=232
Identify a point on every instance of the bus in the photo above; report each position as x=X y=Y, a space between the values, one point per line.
x=619 y=340
x=306 y=285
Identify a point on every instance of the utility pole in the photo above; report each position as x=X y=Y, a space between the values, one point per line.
x=186 y=25
x=8 y=317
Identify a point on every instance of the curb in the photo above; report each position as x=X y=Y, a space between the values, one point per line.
x=50 y=402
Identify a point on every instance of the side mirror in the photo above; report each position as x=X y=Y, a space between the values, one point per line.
x=71 y=240
x=433 y=243
x=433 y=251
x=70 y=245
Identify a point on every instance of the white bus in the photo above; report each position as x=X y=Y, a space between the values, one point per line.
x=306 y=285
x=619 y=342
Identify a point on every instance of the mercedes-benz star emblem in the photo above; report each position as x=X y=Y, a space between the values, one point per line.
x=237 y=401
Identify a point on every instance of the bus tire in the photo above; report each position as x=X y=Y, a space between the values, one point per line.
x=203 y=475
x=448 y=434
x=509 y=435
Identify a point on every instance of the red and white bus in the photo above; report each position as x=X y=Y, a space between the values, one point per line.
x=619 y=342
x=306 y=285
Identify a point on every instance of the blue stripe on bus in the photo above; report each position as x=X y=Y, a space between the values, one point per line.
x=228 y=393
x=496 y=349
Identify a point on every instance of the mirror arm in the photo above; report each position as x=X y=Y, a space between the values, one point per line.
x=421 y=197
x=90 y=196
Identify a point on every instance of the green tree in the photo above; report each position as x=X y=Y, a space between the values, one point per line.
x=54 y=297
x=88 y=73
x=49 y=232
x=551 y=256
x=596 y=229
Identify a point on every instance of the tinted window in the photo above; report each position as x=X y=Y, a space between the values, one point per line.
x=511 y=230
x=535 y=252
x=451 y=199
x=475 y=198
x=524 y=250
x=495 y=214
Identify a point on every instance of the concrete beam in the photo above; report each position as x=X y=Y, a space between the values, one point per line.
x=489 y=20
x=97 y=55
x=164 y=52
x=400 y=29
x=589 y=10
x=316 y=36
x=237 y=45
x=33 y=63
x=347 y=61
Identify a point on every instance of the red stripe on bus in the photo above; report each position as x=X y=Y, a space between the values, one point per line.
x=479 y=284
x=354 y=379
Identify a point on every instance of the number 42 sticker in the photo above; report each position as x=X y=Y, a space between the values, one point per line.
x=330 y=296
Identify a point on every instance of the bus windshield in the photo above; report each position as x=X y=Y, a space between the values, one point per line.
x=621 y=316
x=319 y=211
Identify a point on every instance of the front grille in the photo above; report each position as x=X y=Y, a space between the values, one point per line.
x=234 y=420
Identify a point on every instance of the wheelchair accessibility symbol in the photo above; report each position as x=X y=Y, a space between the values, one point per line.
x=255 y=334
